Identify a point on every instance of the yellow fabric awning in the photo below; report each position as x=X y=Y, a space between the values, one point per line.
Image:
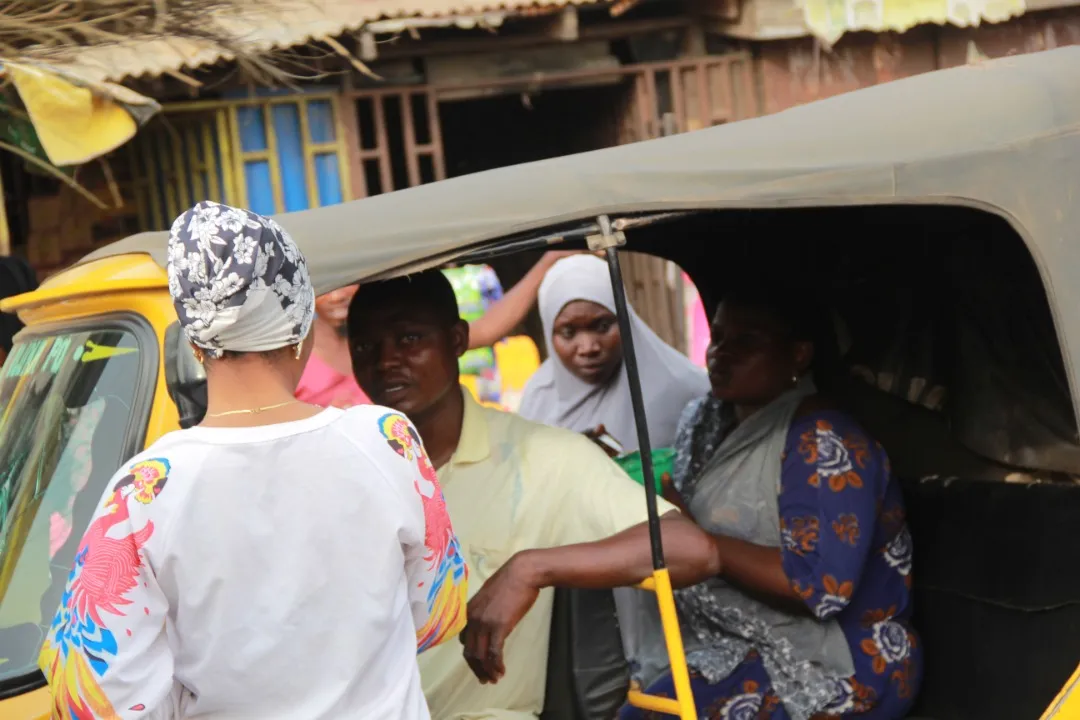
x=77 y=121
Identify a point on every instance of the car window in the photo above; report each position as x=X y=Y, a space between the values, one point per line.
x=66 y=405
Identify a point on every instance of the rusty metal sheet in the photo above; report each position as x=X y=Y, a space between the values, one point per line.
x=796 y=72
x=1031 y=33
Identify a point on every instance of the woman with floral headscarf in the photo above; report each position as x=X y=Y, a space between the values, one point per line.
x=225 y=575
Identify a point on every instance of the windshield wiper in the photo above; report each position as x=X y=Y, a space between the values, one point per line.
x=22 y=684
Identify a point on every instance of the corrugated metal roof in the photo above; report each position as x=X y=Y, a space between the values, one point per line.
x=273 y=25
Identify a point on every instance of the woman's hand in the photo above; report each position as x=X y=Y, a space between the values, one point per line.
x=669 y=493
x=553 y=256
x=494 y=612
x=600 y=436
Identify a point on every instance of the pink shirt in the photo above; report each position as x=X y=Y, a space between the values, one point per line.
x=698 y=323
x=323 y=385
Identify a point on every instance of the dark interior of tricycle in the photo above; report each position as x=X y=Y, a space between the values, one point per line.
x=950 y=357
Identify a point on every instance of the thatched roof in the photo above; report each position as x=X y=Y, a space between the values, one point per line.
x=117 y=40
x=43 y=39
x=61 y=32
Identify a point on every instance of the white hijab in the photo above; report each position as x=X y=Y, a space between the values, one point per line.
x=554 y=396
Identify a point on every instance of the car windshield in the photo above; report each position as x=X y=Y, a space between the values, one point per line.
x=65 y=411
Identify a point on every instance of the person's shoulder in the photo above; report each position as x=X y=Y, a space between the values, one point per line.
x=692 y=413
x=169 y=448
x=366 y=414
x=542 y=378
x=817 y=411
x=545 y=444
x=160 y=476
x=819 y=420
x=361 y=421
x=375 y=430
x=694 y=408
x=559 y=461
x=530 y=430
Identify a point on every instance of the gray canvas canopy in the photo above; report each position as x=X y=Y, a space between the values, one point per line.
x=999 y=136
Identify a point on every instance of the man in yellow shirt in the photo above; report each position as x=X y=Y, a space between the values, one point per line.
x=517 y=492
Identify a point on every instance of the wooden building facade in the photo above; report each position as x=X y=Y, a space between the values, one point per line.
x=391 y=104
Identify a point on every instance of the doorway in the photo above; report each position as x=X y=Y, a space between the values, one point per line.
x=497 y=131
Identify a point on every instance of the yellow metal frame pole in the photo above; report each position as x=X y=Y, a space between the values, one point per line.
x=1066 y=705
x=683 y=705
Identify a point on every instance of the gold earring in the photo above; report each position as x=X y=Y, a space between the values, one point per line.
x=199 y=357
x=299 y=349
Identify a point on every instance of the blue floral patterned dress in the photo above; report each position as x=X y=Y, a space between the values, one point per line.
x=847 y=550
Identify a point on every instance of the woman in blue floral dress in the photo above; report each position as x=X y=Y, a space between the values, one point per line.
x=810 y=618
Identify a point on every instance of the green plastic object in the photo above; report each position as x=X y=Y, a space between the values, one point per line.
x=663 y=462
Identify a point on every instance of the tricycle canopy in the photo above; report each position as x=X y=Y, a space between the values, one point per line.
x=999 y=137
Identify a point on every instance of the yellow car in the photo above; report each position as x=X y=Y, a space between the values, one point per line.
x=83 y=389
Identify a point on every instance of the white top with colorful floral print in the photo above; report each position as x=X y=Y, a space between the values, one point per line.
x=282 y=571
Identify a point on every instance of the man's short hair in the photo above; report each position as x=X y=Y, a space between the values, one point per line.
x=430 y=289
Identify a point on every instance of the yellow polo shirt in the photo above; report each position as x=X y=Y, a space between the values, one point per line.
x=513 y=485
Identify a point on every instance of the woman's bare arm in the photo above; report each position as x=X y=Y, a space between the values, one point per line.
x=508 y=312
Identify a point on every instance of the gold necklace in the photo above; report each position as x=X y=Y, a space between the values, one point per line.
x=252 y=411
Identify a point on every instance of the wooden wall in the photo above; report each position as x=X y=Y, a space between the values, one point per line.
x=793 y=72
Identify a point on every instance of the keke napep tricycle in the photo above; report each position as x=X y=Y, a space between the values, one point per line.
x=937 y=215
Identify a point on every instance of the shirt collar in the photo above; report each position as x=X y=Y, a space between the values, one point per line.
x=474 y=443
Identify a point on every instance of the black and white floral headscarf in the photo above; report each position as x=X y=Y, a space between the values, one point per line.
x=238 y=281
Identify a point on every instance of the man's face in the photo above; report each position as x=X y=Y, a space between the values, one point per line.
x=404 y=357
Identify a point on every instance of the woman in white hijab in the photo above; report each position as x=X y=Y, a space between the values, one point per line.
x=277 y=560
x=583 y=383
